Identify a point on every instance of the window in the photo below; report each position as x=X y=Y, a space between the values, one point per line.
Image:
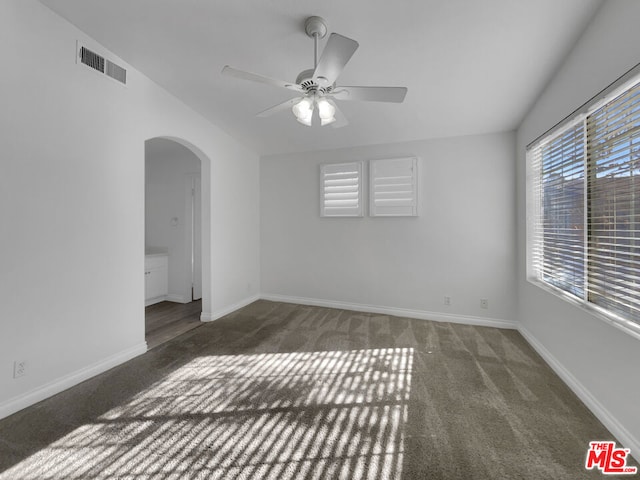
x=341 y=190
x=558 y=248
x=584 y=199
x=393 y=186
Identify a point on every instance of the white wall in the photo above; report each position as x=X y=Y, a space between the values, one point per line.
x=168 y=170
x=598 y=360
x=462 y=244
x=72 y=204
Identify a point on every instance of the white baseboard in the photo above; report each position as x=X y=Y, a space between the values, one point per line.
x=154 y=300
x=592 y=403
x=398 y=312
x=176 y=298
x=210 y=317
x=27 y=399
x=166 y=298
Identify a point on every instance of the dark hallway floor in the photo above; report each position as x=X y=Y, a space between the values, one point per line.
x=166 y=320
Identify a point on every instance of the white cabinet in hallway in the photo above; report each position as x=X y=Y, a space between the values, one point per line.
x=156 y=278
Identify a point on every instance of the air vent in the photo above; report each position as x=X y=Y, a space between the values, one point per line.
x=102 y=65
x=92 y=59
x=116 y=72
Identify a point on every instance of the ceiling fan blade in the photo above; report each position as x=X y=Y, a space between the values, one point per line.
x=278 y=108
x=371 y=94
x=335 y=56
x=254 y=77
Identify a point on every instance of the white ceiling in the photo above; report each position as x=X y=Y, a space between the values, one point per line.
x=471 y=66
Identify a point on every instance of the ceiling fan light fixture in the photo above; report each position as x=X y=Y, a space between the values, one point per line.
x=326 y=111
x=303 y=110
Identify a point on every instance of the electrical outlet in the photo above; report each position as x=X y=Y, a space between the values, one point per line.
x=484 y=303
x=19 y=368
x=447 y=300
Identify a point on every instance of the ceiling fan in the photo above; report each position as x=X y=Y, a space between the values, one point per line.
x=317 y=86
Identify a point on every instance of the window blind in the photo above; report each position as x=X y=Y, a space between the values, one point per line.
x=584 y=186
x=613 y=139
x=393 y=187
x=341 y=190
x=558 y=184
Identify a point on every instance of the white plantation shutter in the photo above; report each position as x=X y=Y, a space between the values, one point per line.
x=393 y=187
x=613 y=133
x=341 y=190
x=584 y=198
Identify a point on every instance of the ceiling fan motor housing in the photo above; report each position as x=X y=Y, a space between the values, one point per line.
x=306 y=81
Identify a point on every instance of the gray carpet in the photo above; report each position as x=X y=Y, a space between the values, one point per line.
x=281 y=392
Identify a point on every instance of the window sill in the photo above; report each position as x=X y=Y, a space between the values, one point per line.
x=626 y=326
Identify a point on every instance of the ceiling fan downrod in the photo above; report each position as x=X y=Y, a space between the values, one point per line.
x=316 y=28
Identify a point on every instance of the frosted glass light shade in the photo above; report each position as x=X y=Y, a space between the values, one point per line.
x=326 y=111
x=303 y=110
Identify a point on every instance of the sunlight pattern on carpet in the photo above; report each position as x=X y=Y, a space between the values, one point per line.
x=284 y=416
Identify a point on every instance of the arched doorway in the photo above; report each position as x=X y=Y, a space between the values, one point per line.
x=174 y=226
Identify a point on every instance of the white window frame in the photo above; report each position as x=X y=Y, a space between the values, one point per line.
x=329 y=201
x=385 y=200
x=625 y=83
